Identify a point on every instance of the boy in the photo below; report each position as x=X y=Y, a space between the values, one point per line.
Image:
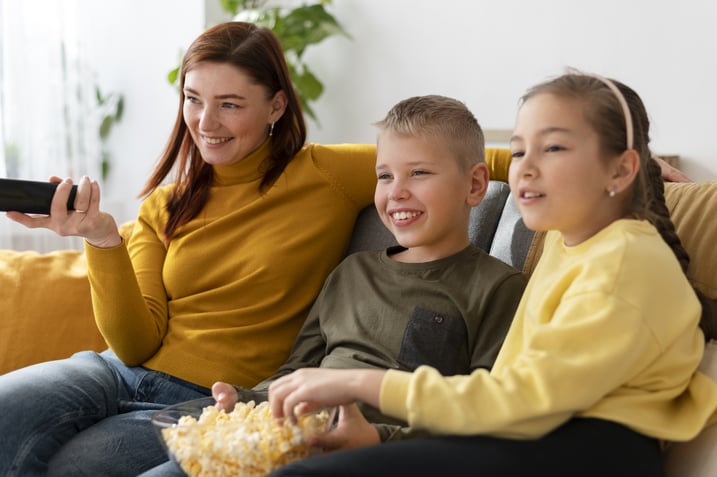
x=435 y=299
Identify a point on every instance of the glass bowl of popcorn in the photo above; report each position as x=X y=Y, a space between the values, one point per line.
x=248 y=441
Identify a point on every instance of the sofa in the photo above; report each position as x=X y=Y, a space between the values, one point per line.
x=47 y=314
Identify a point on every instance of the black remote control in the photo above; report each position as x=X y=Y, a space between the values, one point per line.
x=30 y=197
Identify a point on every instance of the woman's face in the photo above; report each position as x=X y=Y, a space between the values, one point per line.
x=227 y=113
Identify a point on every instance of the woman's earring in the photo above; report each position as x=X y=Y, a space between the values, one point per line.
x=271 y=129
x=611 y=193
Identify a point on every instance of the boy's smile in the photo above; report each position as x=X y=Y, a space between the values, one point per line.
x=422 y=196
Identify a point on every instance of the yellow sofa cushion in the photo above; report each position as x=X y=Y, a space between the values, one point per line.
x=46 y=308
x=692 y=208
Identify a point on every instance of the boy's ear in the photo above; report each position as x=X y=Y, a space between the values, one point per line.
x=627 y=166
x=479 y=184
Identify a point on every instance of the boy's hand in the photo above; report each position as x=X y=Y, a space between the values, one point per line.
x=352 y=430
x=225 y=395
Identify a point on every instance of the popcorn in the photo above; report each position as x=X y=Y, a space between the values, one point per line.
x=246 y=442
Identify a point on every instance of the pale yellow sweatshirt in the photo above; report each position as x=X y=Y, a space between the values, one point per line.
x=605 y=329
x=225 y=300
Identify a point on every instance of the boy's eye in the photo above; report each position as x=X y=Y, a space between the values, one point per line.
x=554 y=148
x=420 y=172
x=517 y=154
x=383 y=176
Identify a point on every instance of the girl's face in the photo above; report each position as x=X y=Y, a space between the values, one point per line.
x=423 y=197
x=227 y=113
x=558 y=176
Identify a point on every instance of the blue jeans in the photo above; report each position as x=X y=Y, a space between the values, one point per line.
x=85 y=415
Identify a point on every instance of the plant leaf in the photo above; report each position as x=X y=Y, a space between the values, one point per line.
x=173 y=76
x=305 y=26
x=309 y=85
x=106 y=126
x=120 y=108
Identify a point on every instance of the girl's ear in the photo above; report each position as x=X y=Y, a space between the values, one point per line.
x=627 y=166
x=479 y=184
x=278 y=105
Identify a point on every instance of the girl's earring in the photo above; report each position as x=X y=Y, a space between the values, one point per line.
x=271 y=129
x=611 y=193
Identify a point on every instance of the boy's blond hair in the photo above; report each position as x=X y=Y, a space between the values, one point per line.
x=435 y=117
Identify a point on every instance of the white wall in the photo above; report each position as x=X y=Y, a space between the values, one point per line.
x=485 y=53
x=133 y=44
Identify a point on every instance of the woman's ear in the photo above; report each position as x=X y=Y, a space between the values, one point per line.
x=627 y=166
x=278 y=105
x=479 y=183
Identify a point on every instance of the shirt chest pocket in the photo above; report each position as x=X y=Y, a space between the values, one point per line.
x=437 y=340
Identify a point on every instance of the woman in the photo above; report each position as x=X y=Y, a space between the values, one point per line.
x=218 y=276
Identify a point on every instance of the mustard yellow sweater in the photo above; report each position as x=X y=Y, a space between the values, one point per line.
x=226 y=298
x=605 y=329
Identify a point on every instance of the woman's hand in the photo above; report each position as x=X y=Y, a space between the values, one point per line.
x=352 y=430
x=670 y=173
x=225 y=395
x=97 y=228
x=314 y=388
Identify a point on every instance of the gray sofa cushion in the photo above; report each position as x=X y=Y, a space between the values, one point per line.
x=486 y=215
x=369 y=232
x=512 y=238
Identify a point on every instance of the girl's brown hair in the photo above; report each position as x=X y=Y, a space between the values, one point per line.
x=257 y=52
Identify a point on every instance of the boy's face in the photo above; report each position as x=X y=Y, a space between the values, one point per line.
x=424 y=198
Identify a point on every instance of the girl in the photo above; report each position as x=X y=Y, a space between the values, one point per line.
x=600 y=362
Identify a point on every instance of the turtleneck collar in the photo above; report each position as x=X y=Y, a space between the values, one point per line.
x=245 y=170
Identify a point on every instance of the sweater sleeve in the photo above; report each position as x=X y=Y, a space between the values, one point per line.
x=498 y=161
x=351 y=168
x=128 y=295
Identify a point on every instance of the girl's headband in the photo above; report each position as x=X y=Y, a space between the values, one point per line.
x=625 y=108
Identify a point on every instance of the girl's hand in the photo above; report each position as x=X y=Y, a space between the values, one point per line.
x=97 y=228
x=225 y=395
x=352 y=430
x=314 y=388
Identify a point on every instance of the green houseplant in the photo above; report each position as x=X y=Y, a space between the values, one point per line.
x=111 y=107
x=297 y=28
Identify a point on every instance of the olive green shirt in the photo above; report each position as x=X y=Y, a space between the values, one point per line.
x=375 y=312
